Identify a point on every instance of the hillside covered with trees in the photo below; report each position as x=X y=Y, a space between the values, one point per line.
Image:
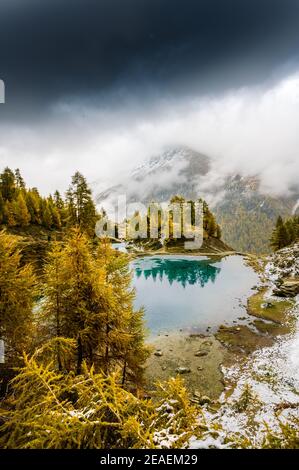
x=21 y=207
x=285 y=232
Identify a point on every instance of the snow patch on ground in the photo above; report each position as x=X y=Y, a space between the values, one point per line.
x=284 y=263
x=273 y=377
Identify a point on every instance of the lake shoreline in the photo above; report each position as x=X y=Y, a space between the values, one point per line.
x=200 y=358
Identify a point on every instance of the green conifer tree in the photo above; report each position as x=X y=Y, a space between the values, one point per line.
x=61 y=207
x=212 y=225
x=73 y=282
x=47 y=220
x=9 y=214
x=20 y=183
x=17 y=284
x=2 y=209
x=54 y=314
x=88 y=298
x=279 y=237
x=55 y=215
x=50 y=410
x=7 y=184
x=33 y=201
x=81 y=208
x=21 y=213
x=123 y=326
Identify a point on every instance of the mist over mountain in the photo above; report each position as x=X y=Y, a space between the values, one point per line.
x=176 y=171
x=246 y=213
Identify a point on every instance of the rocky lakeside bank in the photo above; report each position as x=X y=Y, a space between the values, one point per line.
x=226 y=371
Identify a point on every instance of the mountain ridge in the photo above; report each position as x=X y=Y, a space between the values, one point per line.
x=246 y=214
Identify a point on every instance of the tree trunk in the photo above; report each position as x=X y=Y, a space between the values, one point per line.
x=107 y=345
x=124 y=374
x=58 y=333
x=79 y=355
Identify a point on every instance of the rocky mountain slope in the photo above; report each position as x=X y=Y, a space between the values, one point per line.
x=246 y=215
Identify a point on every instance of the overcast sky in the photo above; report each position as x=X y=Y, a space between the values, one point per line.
x=101 y=85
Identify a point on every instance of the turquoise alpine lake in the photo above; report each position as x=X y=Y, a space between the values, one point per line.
x=192 y=293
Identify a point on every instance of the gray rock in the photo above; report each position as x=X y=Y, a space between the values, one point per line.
x=205 y=400
x=267 y=305
x=183 y=370
x=201 y=353
x=288 y=288
x=158 y=353
x=201 y=399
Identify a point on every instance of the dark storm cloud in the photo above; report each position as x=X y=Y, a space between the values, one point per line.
x=52 y=49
